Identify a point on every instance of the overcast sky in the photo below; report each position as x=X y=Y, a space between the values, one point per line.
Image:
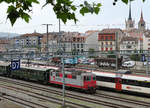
x=109 y=16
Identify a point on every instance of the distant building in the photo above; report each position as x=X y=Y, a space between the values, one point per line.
x=73 y=42
x=130 y=44
x=4 y=43
x=107 y=39
x=64 y=41
x=91 y=41
x=29 y=41
x=146 y=40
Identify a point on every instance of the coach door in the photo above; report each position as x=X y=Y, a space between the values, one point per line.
x=118 y=84
x=118 y=81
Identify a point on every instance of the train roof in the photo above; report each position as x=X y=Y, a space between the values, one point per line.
x=35 y=68
x=123 y=76
x=4 y=63
x=75 y=72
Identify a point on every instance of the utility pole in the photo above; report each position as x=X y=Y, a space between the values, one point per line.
x=147 y=64
x=62 y=70
x=116 y=40
x=47 y=35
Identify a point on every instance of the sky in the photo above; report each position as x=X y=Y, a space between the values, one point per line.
x=109 y=17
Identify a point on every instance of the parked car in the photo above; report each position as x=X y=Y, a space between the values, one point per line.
x=128 y=64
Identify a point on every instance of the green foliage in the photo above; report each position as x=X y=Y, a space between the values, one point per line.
x=111 y=54
x=64 y=9
x=19 y=9
x=135 y=57
x=124 y=1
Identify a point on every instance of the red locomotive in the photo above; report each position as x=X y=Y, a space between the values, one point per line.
x=74 y=78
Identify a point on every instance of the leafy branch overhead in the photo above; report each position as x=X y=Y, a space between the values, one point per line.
x=64 y=9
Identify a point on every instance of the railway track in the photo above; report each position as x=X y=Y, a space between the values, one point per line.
x=22 y=102
x=141 y=103
x=70 y=95
x=83 y=98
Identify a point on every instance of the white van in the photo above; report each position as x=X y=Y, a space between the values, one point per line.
x=128 y=64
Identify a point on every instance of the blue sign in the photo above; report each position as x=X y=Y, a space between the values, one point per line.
x=143 y=58
x=15 y=64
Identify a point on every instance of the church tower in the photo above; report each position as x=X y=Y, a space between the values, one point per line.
x=141 y=24
x=130 y=23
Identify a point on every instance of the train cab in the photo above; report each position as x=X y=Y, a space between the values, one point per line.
x=89 y=82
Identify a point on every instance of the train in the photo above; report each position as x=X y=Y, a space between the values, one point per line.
x=73 y=78
x=123 y=81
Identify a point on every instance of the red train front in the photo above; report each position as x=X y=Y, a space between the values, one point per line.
x=75 y=78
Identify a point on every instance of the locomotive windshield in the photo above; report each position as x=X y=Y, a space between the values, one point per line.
x=87 y=78
x=94 y=78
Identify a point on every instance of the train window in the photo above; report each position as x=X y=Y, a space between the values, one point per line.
x=136 y=83
x=57 y=74
x=65 y=75
x=73 y=77
x=51 y=73
x=106 y=79
x=88 y=78
x=94 y=78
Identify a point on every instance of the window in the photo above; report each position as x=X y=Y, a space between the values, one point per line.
x=102 y=37
x=131 y=25
x=111 y=38
x=106 y=79
x=110 y=43
x=106 y=43
x=65 y=75
x=87 y=78
x=73 y=77
x=81 y=45
x=78 y=39
x=142 y=24
x=94 y=77
x=106 y=49
x=57 y=74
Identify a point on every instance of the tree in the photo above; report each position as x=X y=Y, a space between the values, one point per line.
x=64 y=9
x=135 y=57
x=111 y=54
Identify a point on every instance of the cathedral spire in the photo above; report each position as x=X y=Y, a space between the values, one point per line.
x=130 y=23
x=141 y=24
x=130 y=18
x=141 y=19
